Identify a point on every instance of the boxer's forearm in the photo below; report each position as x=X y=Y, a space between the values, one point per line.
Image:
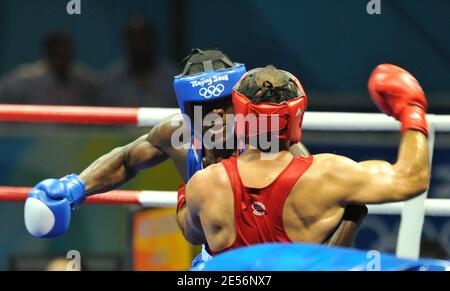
x=381 y=182
x=181 y=219
x=107 y=173
x=190 y=233
x=413 y=160
x=183 y=223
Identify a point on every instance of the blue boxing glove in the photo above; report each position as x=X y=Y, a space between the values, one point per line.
x=50 y=203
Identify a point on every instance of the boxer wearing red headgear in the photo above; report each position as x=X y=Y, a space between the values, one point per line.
x=288 y=114
x=249 y=200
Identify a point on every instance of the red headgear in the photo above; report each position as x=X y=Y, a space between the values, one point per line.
x=289 y=114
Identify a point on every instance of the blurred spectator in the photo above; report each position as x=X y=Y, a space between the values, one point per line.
x=54 y=79
x=144 y=79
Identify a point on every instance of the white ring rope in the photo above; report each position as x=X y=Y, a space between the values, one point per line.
x=332 y=121
x=433 y=207
x=336 y=121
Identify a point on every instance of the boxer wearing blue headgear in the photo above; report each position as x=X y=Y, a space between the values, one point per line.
x=208 y=85
x=49 y=206
x=48 y=210
x=206 y=82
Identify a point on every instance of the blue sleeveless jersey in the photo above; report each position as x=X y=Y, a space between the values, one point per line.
x=194 y=159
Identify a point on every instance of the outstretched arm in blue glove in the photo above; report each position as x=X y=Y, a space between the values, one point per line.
x=50 y=203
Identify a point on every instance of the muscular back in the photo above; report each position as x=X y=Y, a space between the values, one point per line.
x=316 y=204
x=307 y=216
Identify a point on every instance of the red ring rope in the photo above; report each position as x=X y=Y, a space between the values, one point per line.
x=119 y=197
x=68 y=114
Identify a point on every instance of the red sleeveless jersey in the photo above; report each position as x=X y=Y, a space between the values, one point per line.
x=258 y=213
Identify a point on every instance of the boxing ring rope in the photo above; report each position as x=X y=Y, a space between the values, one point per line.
x=412 y=212
x=335 y=121
x=84 y=115
x=118 y=197
x=433 y=207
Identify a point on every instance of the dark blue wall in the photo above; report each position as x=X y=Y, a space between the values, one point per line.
x=97 y=31
x=331 y=45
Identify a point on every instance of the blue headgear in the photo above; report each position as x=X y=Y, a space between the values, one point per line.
x=209 y=85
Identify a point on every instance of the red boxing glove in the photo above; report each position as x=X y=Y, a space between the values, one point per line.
x=181 y=197
x=398 y=94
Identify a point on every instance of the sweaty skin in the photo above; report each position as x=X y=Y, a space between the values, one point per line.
x=316 y=203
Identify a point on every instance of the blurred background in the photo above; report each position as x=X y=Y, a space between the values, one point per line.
x=125 y=53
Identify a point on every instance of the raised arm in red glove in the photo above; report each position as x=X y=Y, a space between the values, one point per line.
x=398 y=94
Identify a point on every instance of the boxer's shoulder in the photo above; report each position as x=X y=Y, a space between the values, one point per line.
x=332 y=167
x=340 y=173
x=213 y=177
x=327 y=161
x=214 y=174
